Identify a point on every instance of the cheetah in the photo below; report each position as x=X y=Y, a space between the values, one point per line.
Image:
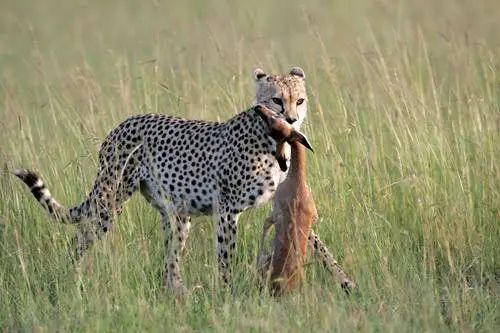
x=185 y=168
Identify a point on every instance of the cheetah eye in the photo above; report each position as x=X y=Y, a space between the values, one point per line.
x=300 y=101
x=277 y=101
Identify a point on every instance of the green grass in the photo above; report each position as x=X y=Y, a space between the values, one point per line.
x=404 y=117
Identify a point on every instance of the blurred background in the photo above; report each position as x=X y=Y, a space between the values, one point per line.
x=404 y=116
x=208 y=48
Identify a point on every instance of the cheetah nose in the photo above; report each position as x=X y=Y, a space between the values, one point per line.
x=291 y=120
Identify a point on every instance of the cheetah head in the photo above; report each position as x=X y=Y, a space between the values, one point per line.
x=284 y=94
x=281 y=131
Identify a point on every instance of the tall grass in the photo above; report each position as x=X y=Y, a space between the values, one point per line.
x=404 y=116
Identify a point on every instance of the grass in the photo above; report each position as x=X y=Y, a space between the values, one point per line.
x=404 y=102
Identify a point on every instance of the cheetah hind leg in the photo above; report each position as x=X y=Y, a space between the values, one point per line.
x=82 y=241
x=99 y=216
x=175 y=239
x=226 y=235
x=96 y=226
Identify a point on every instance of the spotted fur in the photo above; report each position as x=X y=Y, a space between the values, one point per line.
x=184 y=168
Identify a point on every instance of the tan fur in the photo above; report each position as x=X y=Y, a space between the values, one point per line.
x=294 y=213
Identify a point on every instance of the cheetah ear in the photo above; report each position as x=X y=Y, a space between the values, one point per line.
x=258 y=74
x=300 y=137
x=297 y=71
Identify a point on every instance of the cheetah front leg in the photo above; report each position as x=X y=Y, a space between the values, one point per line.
x=175 y=240
x=176 y=230
x=226 y=235
x=327 y=259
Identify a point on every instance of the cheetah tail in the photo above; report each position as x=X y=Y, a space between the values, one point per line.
x=42 y=195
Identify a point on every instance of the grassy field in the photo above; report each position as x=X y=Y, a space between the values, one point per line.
x=404 y=100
